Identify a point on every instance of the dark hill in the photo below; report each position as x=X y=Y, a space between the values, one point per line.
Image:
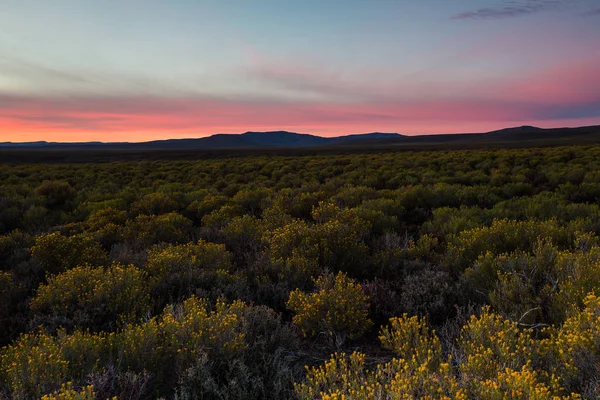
x=282 y=139
x=218 y=141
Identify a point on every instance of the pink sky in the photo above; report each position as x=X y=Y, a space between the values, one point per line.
x=89 y=71
x=564 y=95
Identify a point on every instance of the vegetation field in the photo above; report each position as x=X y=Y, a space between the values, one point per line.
x=439 y=274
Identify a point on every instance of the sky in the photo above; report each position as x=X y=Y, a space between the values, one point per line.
x=138 y=70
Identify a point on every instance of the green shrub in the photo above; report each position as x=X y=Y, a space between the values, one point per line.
x=57 y=253
x=338 y=308
x=95 y=296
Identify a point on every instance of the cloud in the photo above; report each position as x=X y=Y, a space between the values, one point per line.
x=592 y=13
x=338 y=104
x=510 y=9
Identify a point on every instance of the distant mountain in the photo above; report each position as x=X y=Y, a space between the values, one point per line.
x=520 y=134
x=221 y=141
x=42 y=143
x=26 y=144
x=365 y=136
x=284 y=139
x=516 y=129
x=534 y=133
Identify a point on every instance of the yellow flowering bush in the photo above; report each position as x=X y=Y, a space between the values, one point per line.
x=57 y=253
x=338 y=308
x=219 y=218
x=178 y=271
x=495 y=367
x=573 y=350
x=541 y=287
x=491 y=343
x=341 y=377
x=411 y=339
x=516 y=385
x=106 y=225
x=121 y=291
x=198 y=329
x=579 y=274
x=7 y=286
x=504 y=236
x=334 y=242
x=155 y=203
x=106 y=216
x=180 y=335
x=185 y=260
x=418 y=373
x=296 y=259
x=347 y=377
x=146 y=230
x=33 y=365
x=244 y=233
x=67 y=392
x=39 y=363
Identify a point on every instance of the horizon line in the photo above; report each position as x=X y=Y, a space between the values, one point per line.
x=287 y=131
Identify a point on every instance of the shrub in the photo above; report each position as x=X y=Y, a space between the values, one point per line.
x=521 y=384
x=67 y=392
x=411 y=339
x=265 y=369
x=56 y=193
x=14 y=249
x=107 y=226
x=95 y=296
x=39 y=363
x=155 y=204
x=252 y=201
x=426 y=292
x=244 y=235
x=418 y=373
x=146 y=230
x=336 y=242
x=338 y=308
x=383 y=300
x=33 y=366
x=490 y=370
x=111 y=384
x=57 y=253
x=573 y=350
x=490 y=344
x=7 y=287
x=176 y=271
x=505 y=236
x=220 y=217
x=537 y=288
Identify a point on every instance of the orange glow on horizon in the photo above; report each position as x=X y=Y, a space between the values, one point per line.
x=564 y=95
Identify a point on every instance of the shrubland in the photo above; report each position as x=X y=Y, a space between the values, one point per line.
x=401 y=274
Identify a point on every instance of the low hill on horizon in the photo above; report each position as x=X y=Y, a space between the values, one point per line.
x=221 y=140
x=285 y=139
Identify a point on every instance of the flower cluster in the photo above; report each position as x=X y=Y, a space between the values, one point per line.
x=496 y=362
x=338 y=308
x=39 y=363
x=121 y=290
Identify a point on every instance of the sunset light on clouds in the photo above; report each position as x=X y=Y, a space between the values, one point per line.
x=78 y=70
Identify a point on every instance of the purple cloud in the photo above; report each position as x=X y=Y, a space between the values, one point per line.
x=592 y=13
x=509 y=10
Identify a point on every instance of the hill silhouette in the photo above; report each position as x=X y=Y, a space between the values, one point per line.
x=285 y=139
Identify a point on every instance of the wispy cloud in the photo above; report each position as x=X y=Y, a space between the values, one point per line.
x=511 y=9
x=592 y=13
x=566 y=93
x=308 y=97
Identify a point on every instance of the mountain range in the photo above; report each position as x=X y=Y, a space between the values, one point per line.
x=284 y=139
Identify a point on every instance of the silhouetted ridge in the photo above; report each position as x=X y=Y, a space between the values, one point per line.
x=285 y=139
